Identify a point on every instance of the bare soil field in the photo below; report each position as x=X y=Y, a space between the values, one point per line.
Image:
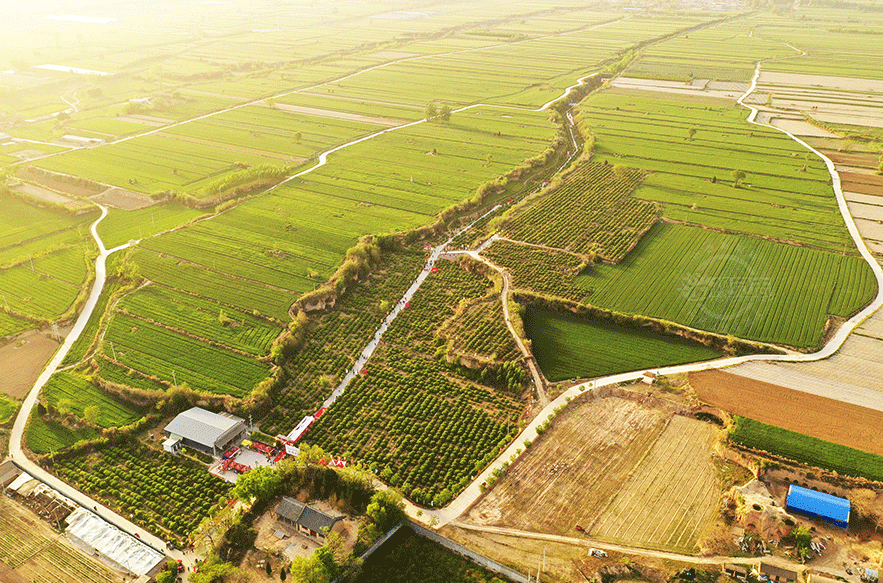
x=59 y=185
x=673 y=495
x=45 y=195
x=22 y=359
x=626 y=468
x=857 y=159
x=820 y=417
x=862 y=183
x=698 y=87
x=800 y=128
x=37 y=553
x=330 y=114
x=123 y=199
x=827 y=81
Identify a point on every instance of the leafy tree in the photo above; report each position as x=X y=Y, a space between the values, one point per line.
x=260 y=483
x=268 y=569
x=91 y=414
x=802 y=538
x=738 y=177
x=386 y=509
x=444 y=113
x=212 y=570
x=430 y=112
x=167 y=577
x=691 y=132
x=297 y=137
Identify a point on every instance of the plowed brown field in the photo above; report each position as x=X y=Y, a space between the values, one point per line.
x=827 y=419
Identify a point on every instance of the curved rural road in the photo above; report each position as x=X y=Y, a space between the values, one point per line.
x=16 y=451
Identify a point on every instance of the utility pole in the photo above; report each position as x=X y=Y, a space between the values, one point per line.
x=544 y=559
x=113 y=350
x=31 y=257
x=174 y=378
x=7 y=304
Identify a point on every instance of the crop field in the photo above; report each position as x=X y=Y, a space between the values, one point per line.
x=567 y=347
x=410 y=418
x=689 y=275
x=8 y=407
x=807 y=450
x=821 y=417
x=34 y=551
x=657 y=506
x=336 y=338
x=723 y=53
x=72 y=393
x=43 y=262
x=409 y=557
x=120 y=226
x=108 y=371
x=786 y=194
x=87 y=337
x=207 y=283
x=843 y=50
x=154 y=350
x=471 y=71
x=479 y=331
x=651 y=474
x=48 y=435
x=591 y=213
x=544 y=270
x=201 y=318
x=134 y=481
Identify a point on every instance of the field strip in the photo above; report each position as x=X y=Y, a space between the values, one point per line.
x=324 y=155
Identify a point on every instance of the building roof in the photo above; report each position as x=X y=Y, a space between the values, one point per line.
x=305 y=515
x=8 y=472
x=774 y=571
x=204 y=427
x=818 y=503
x=119 y=549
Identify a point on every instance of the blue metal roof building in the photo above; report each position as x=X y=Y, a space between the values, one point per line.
x=818 y=505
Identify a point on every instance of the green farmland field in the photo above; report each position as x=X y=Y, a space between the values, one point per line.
x=75 y=393
x=567 y=347
x=8 y=407
x=807 y=450
x=730 y=284
x=202 y=318
x=692 y=177
x=153 y=350
x=47 y=435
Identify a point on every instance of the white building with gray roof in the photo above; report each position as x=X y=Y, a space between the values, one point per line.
x=205 y=431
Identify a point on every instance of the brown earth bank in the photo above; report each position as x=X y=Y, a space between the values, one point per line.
x=820 y=417
x=22 y=359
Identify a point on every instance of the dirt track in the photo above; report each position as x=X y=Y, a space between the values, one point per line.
x=820 y=417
